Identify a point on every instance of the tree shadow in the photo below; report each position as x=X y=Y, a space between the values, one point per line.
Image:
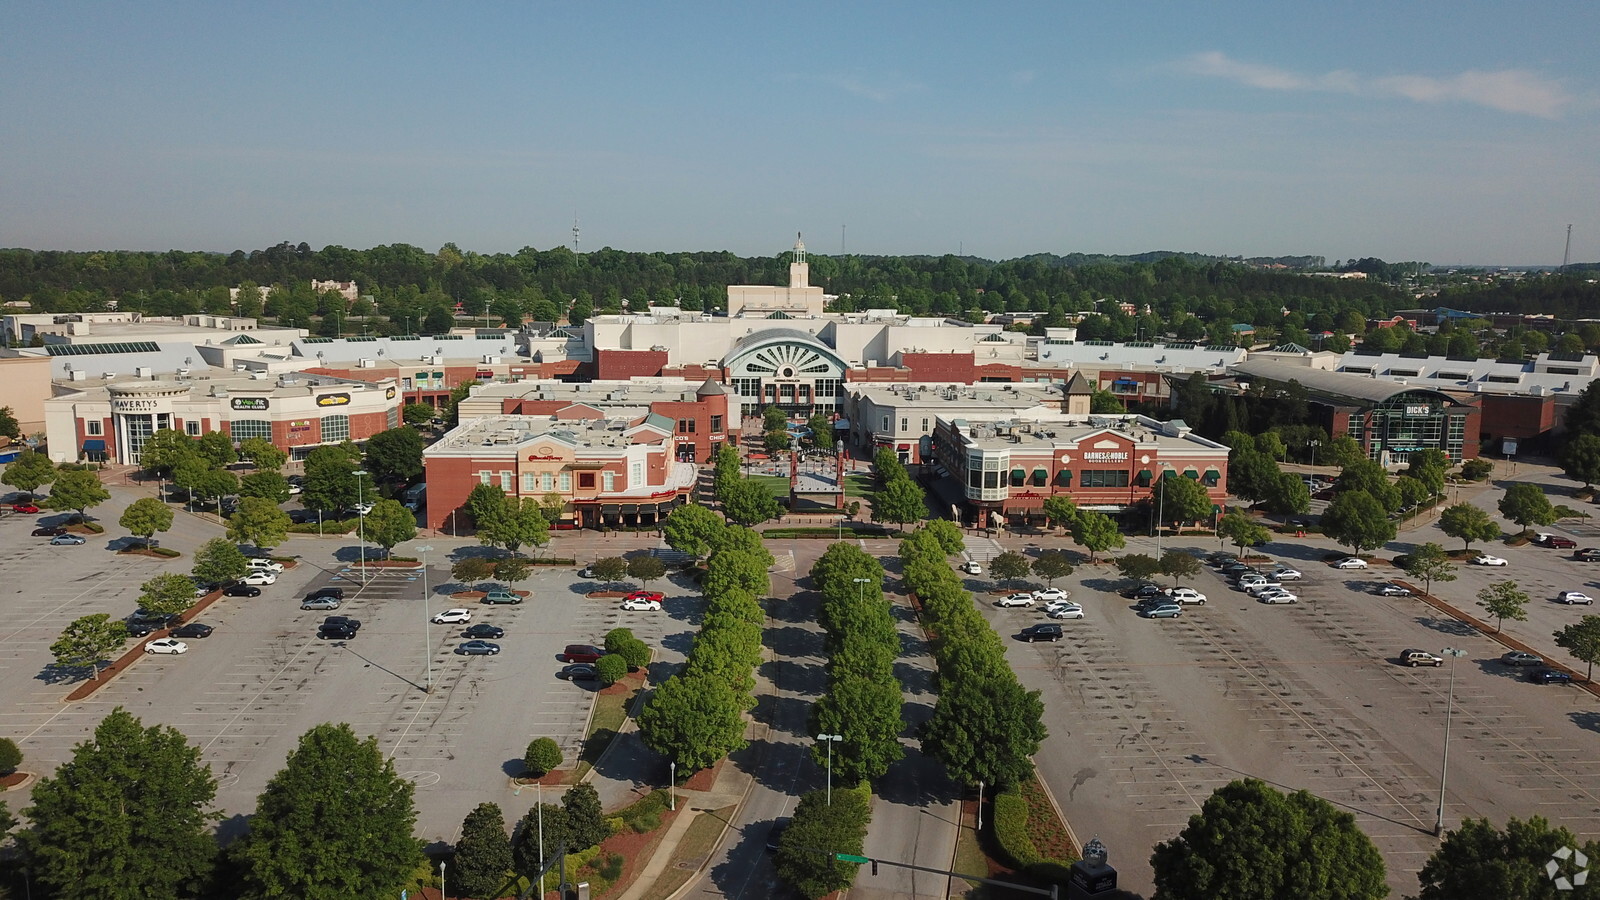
x=1589 y=720
x=1453 y=627
x=679 y=642
x=233 y=827
x=783 y=715
x=56 y=673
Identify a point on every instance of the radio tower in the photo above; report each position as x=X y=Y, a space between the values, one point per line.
x=574 y=234
x=1565 y=254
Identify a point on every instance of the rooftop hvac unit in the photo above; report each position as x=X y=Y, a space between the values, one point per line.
x=365 y=363
x=144 y=372
x=108 y=375
x=287 y=380
x=183 y=373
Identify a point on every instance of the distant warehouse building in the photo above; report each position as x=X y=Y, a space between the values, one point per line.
x=1390 y=420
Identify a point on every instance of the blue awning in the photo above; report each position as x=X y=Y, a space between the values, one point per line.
x=93 y=445
x=1125 y=381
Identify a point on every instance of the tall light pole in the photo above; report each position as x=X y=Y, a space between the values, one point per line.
x=1161 y=508
x=672 y=785
x=1449 y=706
x=859 y=589
x=831 y=739
x=427 y=641
x=361 y=524
x=441 y=879
x=1314 y=445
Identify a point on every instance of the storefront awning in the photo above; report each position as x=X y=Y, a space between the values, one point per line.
x=94 y=445
x=1125 y=381
x=610 y=509
x=841 y=423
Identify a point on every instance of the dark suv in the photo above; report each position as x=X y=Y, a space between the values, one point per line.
x=342 y=622
x=1556 y=541
x=1588 y=554
x=336 y=632
x=1043 y=632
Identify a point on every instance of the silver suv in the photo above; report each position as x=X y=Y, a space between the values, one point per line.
x=1414 y=658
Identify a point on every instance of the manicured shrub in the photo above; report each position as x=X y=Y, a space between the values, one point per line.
x=611 y=668
x=543 y=755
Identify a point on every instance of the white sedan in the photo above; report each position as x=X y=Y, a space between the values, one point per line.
x=972 y=568
x=452 y=617
x=1016 y=600
x=166 y=645
x=1287 y=574
x=262 y=564
x=1277 y=595
x=1064 y=611
x=642 y=603
x=1487 y=560
x=1351 y=562
x=1049 y=594
x=259 y=578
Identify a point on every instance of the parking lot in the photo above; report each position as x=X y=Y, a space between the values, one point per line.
x=1148 y=717
x=245 y=694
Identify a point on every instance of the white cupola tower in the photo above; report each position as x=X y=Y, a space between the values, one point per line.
x=799 y=270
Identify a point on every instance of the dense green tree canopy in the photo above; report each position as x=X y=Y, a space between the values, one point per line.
x=1469 y=523
x=146 y=516
x=1480 y=862
x=395 y=455
x=218 y=561
x=78 y=490
x=28 y=471
x=483 y=855
x=1358 y=521
x=1527 y=505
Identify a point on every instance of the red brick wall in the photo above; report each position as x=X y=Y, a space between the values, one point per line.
x=618 y=365
x=450 y=480
x=997 y=372
x=953 y=367
x=1517 y=417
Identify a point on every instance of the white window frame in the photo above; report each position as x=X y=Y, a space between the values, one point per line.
x=94 y=428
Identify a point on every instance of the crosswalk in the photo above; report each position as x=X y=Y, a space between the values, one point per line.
x=983 y=549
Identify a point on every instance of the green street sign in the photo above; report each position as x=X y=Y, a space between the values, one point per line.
x=846 y=857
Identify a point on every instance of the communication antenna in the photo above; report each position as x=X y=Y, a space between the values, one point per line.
x=1567 y=253
x=841 y=240
x=574 y=233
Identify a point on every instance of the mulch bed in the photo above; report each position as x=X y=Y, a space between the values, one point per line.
x=601 y=595
x=705 y=778
x=150 y=553
x=15 y=779
x=636 y=849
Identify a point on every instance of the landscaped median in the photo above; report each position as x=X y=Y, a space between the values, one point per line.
x=133 y=654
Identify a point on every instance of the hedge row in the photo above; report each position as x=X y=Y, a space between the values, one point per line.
x=1010 y=823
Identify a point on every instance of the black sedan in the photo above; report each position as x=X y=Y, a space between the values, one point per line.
x=579 y=672
x=478 y=648
x=49 y=531
x=193 y=630
x=241 y=590
x=484 y=630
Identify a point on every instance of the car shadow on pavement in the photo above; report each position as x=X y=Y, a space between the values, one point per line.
x=1454 y=627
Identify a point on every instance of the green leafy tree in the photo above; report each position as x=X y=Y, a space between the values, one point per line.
x=389 y=523
x=219 y=561
x=1009 y=566
x=520 y=521
x=214 y=484
x=901 y=502
x=28 y=471
x=417 y=413
x=483 y=855
x=1372 y=479
x=395 y=455
x=336 y=822
x=1504 y=600
x=263 y=454
x=167 y=594
x=1243 y=531
x=1050 y=565
x=539 y=837
x=88 y=641
x=821 y=428
x=1476 y=469
x=1287 y=495
x=542 y=757
x=1181 y=500
x=1060 y=511
x=948 y=534
x=10 y=759
x=1358 y=521
x=1430 y=563
x=164 y=449
x=471 y=569
x=1582 y=640
x=1179 y=565
x=693 y=720
x=487 y=505
x=610 y=569
x=748 y=502
x=866 y=712
x=774 y=441
x=1580 y=458
x=1103 y=402
x=259 y=523
x=216 y=448
x=839 y=826
x=1138 y=566
x=9 y=426
x=1252 y=475
x=1469 y=523
x=1307 y=847
x=611 y=669
x=330 y=479
x=1413 y=491
x=985 y=729
x=1429 y=467
x=1480 y=862
x=690 y=529
x=128 y=815
x=645 y=569
x=266 y=485
x=1527 y=505
x=146 y=516
x=1342 y=451
x=79 y=490
x=773 y=419
x=1097 y=533
x=513 y=569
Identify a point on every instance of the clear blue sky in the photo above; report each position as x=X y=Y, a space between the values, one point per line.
x=1445 y=132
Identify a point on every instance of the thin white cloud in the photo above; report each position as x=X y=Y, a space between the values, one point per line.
x=879 y=92
x=1507 y=90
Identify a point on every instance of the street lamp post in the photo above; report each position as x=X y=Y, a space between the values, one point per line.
x=1314 y=445
x=672 y=785
x=441 y=879
x=1449 y=705
x=427 y=640
x=831 y=739
x=361 y=524
x=859 y=588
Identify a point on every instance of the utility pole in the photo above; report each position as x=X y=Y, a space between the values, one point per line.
x=1566 y=254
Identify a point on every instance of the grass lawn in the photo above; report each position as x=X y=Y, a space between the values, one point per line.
x=859 y=485
x=698 y=842
x=970 y=858
x=610 y=711
x=778 y=485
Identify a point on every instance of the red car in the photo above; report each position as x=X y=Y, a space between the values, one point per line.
x=24 y=508
x=647 y=595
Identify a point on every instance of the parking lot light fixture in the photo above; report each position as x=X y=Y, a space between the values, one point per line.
x=361 y=525
x=427 y=641
x=859 y=588
x=1449 y=704
x=831 y=739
